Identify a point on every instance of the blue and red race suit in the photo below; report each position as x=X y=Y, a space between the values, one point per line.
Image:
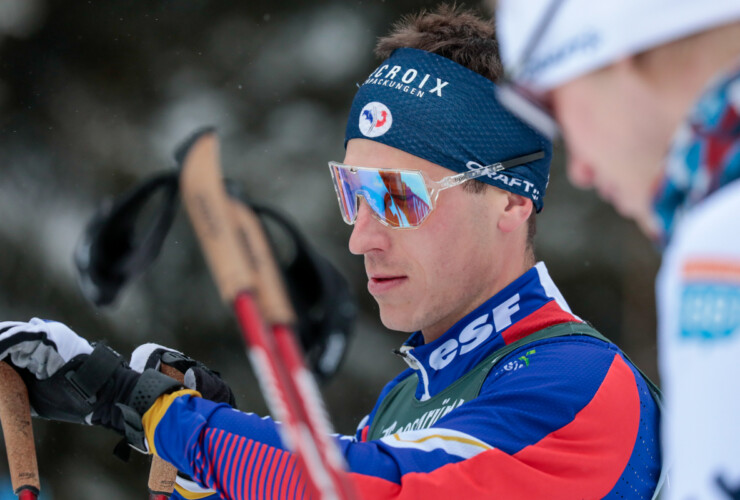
x=561 y=418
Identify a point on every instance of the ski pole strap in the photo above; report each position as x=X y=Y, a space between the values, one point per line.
x=94 y=372
x=148 y=388
x=120 y=243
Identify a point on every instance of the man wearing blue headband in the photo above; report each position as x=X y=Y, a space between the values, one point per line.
x=508 y=394
x=563 y=417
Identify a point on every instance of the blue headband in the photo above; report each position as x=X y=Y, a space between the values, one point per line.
x=433 y=108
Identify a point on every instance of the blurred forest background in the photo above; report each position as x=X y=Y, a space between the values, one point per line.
x=95 y=96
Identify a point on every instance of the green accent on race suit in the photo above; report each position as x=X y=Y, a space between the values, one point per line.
x=525 y=358
x=401 y=411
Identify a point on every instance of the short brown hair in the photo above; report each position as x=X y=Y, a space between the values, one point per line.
x=449 y=31
x=464 y=37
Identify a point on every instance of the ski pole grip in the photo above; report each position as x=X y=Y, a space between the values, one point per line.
x=15 y=416
x=272 y=296
x=162 y=475
x=207 y=205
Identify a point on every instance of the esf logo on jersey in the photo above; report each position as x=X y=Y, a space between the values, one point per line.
x=475 y=333
x=375 y=119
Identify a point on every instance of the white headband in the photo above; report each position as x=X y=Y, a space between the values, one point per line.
x=584 y=35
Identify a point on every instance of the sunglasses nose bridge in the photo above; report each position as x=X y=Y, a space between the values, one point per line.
x=361 y=196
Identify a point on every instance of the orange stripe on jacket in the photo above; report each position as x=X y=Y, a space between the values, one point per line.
x=708 y=269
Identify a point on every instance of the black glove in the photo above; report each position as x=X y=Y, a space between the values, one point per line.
x=197 y=375
x=69 y=379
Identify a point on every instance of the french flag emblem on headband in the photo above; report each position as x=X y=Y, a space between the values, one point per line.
x=375 y=119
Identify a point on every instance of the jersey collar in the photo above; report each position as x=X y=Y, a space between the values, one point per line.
x=528 y=304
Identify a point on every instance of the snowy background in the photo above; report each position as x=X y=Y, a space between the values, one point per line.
x=94 y=97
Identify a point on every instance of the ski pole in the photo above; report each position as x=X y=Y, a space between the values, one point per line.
x=237 y=264
x=15 y=416
x=276 y=311
x=162 y=474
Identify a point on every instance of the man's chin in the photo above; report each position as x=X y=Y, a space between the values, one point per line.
x=397 y=321
x=643 y=217
x=648 y=225
x=624 y=209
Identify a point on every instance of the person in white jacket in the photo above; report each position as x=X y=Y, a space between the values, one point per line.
x=646 y=94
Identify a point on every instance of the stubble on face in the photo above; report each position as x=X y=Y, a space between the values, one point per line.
x=448 y=266
x=431 y=300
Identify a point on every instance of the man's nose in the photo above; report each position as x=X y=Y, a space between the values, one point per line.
x=368 y=233
x=580 y=172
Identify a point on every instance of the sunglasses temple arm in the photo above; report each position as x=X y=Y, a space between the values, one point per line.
x=455 y=180
x=521 y=160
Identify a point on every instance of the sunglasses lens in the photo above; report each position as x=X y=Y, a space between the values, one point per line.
x=345 y=193
x=405 y=199
x=397 y=198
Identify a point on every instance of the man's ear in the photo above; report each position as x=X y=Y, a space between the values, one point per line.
x=517 y=211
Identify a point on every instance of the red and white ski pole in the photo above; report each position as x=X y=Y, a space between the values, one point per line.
x=248 y=280
x=15 y=416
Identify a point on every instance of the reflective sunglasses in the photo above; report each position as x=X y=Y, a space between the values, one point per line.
x=402 y=199
x=518 y=99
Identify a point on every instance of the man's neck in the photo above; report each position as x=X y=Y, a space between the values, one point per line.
x=507 y=276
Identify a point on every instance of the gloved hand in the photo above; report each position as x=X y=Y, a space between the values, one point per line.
x=71 y=380
x=39 y=346
x=198 y=376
